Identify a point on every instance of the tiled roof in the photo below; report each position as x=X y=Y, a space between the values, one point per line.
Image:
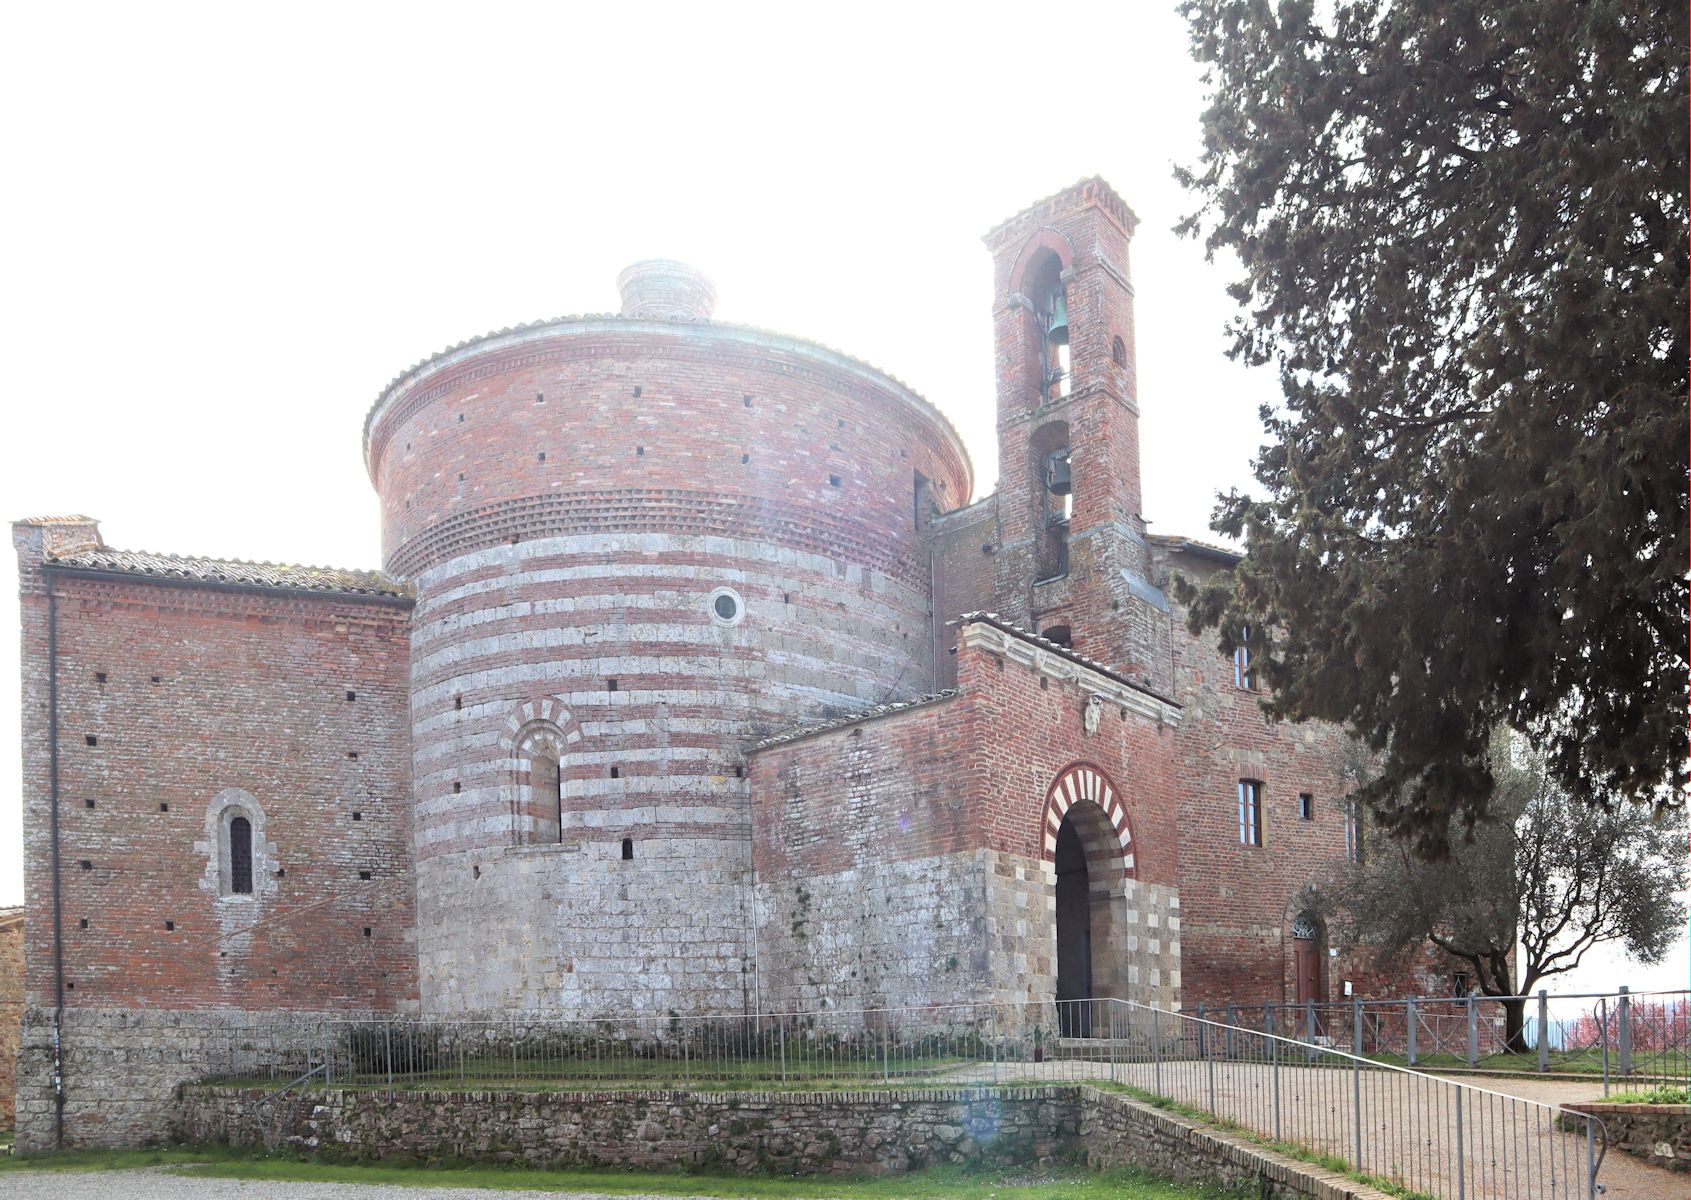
x=999 y=622
x=867 y=714
x=233 y=571
x=1176 y=542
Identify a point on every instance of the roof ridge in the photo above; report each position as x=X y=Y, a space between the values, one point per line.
x=212 y=569
x=794 y=732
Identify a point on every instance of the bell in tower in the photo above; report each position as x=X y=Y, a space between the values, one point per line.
x=1057 y=330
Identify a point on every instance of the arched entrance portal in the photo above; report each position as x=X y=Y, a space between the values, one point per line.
x=1090 y=850
x=1074 y=934
x=1306 y=959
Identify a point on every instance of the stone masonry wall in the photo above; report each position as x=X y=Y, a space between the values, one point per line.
x=123 y=1069
x=784 y=1132
x=576 y=930
x=1117 y=1132
x=882 y=1132
x=1660 y=1134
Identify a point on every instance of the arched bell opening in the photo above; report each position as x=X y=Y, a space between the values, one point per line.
x=1050 y=470
x=1046 y=292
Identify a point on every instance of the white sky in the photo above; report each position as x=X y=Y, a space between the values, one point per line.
x=225 y=228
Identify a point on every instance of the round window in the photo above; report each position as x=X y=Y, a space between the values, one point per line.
x=726 y=607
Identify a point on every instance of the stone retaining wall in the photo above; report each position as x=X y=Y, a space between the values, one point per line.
x=124 y=1068
x=1118 y=1132
x=879 y=1132
x=790 y=1132
x=1660 y=1134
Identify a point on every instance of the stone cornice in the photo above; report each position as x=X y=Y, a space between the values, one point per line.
x=1052 y=660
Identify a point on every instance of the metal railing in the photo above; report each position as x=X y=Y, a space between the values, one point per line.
x=1630 y=1039
x=1433 y=1136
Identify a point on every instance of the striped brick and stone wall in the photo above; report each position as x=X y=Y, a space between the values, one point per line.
x=638 y=543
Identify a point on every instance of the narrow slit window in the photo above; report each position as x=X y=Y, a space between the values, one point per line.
x=627 y=849
x=1306 y=806
x=240 y=857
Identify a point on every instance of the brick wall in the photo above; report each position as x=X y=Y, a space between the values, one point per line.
x=11 y=1008
x=903 y=859
x=1239 y=901
x=175 y=701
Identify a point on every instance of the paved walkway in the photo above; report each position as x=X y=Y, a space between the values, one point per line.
x=1497 y=1147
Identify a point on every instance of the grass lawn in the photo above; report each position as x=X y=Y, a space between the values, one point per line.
x=940 y=1183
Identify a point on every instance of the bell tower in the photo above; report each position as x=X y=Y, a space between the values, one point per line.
x=1072 y=540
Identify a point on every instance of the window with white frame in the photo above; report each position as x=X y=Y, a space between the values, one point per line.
x=1250 y=812
x=1244 y=674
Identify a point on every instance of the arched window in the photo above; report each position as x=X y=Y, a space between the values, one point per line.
x=538 y=810
x=240 y=856
x=1118 y=352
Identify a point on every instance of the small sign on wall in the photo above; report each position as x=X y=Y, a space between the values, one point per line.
x=1347 y=987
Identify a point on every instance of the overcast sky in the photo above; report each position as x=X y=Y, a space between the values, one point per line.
x=228 y=227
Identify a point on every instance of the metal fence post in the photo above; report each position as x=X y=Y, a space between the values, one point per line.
x=1157 y=1049
x=1590 y=1159
x=686 y=1056
x=1268 y=1019
x=1309 y=1027
x=1624 y=1033
x=1232 y=1020
x=781 y=1026
x=1461 y=1154
x=1603 y=1029
x=1203 y=1041
x=1356 y=1075
x=1209 y=1062
x=387 y=1040
x=1411 y=1015
x=1274 y=1059
x=1473 y=1032
x=1111 y=1009
x=1543 y=1030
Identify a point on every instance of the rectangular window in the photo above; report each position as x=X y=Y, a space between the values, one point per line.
x=1459 y=985
x=1243 y=674
x=1250 y=812
x=1353 y=833
x=1306 y=806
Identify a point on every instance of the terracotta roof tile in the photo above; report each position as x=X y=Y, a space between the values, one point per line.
x=233 y=571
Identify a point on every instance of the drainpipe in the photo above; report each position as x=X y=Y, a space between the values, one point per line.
x=53 y=826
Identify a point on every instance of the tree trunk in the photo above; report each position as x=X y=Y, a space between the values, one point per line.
x=1514 y=1025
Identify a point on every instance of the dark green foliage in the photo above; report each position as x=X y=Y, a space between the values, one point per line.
x=1463 y=231
x=1541 y=880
